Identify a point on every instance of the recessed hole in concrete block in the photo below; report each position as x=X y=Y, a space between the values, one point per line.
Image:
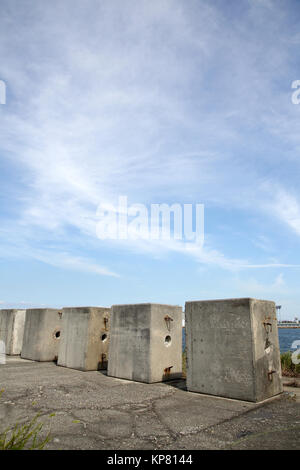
x=168 y=340
x=57 y=334
x=103 y=337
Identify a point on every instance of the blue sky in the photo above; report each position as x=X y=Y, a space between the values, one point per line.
x=164 y=101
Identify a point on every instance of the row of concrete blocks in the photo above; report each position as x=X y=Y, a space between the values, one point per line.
x=74 y=337
x=232 y=345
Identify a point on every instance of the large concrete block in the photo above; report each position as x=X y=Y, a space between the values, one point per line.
x=42 y=334
x=145 y=342
x=233 y=349
x=12 y=323
x=85 y=338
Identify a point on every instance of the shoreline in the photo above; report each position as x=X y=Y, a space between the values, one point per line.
x=288 y=327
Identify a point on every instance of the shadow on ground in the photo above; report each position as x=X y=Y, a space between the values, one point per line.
x=94 y=411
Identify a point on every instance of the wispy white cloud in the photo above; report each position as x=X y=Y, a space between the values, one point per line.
x=20 y=248
x=264 y=243
x=252 y=285
x=286 y=207
x=67 y=261
x=149 y=99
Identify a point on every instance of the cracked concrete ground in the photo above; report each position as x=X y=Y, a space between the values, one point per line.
x=93 y=411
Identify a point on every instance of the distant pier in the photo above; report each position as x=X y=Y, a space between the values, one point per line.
x=288 y=325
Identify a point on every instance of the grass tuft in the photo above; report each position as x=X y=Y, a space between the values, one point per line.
x=24 y=436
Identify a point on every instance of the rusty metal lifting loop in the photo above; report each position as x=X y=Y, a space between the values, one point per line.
x=270 y=375
x=167 y=370
x=168 y=320
x=268 y=327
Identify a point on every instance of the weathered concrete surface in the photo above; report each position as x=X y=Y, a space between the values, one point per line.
x=85 y=338
x=94 y=411
x=233 y=348
x=145 y=342
x=42 y=334
x=12 y=323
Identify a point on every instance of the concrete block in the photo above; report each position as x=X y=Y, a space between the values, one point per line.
x=145 y=342
x=233 y=348
x=42 y=334
x=12 y=323
x=85 y=339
